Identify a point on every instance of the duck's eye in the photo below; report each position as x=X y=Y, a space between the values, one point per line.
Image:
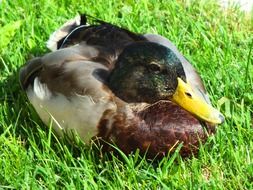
x=188 y=94
x=154 y=67
x=168 y=88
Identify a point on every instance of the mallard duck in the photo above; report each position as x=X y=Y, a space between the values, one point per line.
x=133 y=90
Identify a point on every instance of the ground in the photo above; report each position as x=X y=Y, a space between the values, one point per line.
x=217 y=41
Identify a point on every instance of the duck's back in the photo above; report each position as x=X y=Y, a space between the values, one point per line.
x=104 y=36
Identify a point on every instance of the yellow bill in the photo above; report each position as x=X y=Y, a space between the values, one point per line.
x=187 y=99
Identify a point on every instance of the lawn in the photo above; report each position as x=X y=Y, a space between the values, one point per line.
x=217 y=42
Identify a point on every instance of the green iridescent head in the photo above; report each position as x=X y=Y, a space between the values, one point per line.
x=146 y=72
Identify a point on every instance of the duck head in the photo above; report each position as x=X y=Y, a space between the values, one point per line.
x=149 y=72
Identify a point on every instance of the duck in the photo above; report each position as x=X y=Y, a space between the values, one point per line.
x=105 y=83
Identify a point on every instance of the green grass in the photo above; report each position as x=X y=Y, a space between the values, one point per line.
x=217 y=42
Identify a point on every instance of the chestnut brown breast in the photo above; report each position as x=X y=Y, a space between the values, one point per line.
x=160 y=128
